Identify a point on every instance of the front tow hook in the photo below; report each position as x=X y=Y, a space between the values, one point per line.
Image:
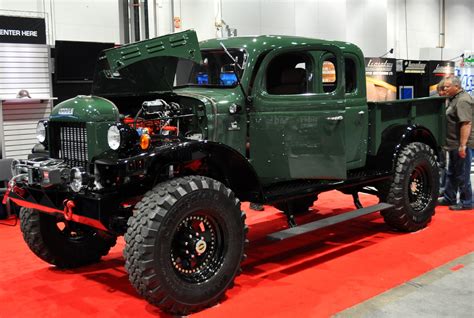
x=69 y=205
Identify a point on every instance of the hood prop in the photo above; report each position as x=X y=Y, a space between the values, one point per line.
x=236 y=65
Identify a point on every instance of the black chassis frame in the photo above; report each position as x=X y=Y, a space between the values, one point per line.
x=126 y=179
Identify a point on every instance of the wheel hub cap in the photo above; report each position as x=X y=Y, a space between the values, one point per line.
x=414 y=187
x=200 y=247
x=419 y=190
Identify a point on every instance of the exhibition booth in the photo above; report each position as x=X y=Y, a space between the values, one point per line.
x=277 y=175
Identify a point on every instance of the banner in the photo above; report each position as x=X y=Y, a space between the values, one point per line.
x=414 y=67
x=22 y=30
x=465 y=71
x=438 y=70
x=380 y=78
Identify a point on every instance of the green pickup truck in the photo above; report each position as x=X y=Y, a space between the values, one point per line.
x=177 y=133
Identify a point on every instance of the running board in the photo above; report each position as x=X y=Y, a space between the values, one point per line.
x=308 y=227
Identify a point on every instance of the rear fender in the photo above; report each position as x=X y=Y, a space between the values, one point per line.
x=394 y=138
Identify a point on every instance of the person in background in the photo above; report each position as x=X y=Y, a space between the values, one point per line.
x=442 y=93
x=440 y=87
x=459 y=142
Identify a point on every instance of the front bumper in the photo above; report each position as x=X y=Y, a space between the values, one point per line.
x=45 y=185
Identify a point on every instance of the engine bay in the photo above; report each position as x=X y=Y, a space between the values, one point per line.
x=159 y=118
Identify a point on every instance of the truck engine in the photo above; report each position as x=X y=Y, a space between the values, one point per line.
x=157 y=117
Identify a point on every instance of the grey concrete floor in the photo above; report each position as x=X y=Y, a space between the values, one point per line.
x=447 y=291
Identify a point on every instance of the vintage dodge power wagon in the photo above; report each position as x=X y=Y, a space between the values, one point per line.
x=177 y=133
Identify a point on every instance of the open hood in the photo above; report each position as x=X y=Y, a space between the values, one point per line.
x=146 y=66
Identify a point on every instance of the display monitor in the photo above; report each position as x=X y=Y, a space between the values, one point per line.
x=405 y=92
x=202 y=79
x=76 y=61
x=228 y=78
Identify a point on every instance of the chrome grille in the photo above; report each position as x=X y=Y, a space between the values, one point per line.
x=69 y=143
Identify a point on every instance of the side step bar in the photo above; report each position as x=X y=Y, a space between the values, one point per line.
x=308 y=227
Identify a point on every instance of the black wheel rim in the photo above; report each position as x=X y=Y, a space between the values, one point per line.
x=197 y=248
x=419 y=188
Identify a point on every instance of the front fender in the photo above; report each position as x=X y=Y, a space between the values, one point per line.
x=221 y=162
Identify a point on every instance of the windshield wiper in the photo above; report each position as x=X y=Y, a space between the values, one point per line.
x=230 y=56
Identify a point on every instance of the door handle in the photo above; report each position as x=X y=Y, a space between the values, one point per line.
x=335 y=118
x=361 y=112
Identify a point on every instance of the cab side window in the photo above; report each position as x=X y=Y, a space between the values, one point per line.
x=328 y=73
x=289 y=74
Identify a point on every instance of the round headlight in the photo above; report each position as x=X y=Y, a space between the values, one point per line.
x=113 y=137
x=41 y=132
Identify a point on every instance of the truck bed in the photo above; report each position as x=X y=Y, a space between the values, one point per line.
x=428 y=112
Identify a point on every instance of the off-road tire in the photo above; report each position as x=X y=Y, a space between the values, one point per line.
x=413 y=190
x=180 y=215
x=297 y=206
x=66 y=245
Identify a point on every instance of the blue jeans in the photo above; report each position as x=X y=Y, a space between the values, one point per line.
x=442 y=172
x=458 y=178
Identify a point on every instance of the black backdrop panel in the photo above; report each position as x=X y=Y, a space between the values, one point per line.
x=415 y=73
x=76 y=61
x=67 y=90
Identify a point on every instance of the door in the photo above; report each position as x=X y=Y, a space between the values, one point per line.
x=297 y=118
x=357 y=117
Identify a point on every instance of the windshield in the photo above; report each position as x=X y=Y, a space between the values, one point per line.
x=215 y=70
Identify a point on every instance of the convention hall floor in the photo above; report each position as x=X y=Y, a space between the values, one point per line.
x=360 y=268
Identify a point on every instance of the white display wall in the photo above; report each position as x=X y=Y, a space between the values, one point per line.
x=23 y=66
x=374 y=25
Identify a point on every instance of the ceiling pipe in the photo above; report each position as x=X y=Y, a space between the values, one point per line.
x=124 y=22
x=144 y=20
x=155 y=19
x=442 y=25
x=172 y=17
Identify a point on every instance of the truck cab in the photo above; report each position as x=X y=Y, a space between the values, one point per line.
x=307 y=114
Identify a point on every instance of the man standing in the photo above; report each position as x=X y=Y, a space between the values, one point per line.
x=443 y=170
x=459 y=142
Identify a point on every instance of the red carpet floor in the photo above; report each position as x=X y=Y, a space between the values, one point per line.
x=314 y=275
